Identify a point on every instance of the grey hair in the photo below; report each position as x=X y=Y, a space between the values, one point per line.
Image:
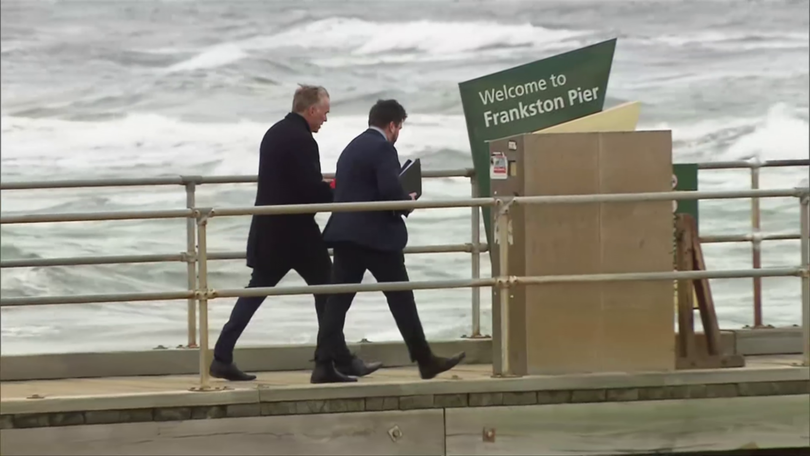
x=307 y=96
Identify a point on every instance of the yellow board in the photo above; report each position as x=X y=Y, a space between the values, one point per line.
x=623 y=117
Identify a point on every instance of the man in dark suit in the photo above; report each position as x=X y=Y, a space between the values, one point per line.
x=368 y=170
x=289 y=173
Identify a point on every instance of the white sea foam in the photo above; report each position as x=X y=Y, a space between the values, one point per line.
x=366 y=41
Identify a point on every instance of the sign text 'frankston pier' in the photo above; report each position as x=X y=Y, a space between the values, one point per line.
x=532 y=97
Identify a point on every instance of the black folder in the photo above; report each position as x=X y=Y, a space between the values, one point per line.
x=411 y=177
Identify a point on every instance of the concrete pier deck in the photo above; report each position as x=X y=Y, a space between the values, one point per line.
x=464 y=411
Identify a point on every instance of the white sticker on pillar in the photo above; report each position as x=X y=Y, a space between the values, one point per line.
x=512 y=145
x=674 y=185
x=497 y=166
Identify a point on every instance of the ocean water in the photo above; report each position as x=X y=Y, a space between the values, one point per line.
x=139 y=89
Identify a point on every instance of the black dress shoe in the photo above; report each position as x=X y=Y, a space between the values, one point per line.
x=230 y=372
x=436 y=365
x=356 y=367
x=325 y=372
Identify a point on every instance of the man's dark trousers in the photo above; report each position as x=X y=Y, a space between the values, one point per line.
x=351 y=263
x=311 y=262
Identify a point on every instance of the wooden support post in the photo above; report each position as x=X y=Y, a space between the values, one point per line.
x=691 y=355
x=708 y=316
x=684 y=261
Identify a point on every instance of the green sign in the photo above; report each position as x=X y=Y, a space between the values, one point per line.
x=532 y=97
x=685 y=178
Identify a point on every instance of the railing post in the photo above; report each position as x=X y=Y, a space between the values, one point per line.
x=475 y=220
x=504 y=283
x=756 y=245
x=202 y=247
x=191 y=265
x=804 y=213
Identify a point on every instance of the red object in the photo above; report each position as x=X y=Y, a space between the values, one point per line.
x=332 y=184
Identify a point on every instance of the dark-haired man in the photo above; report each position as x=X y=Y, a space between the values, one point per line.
x=289 y=173
x=368 y=170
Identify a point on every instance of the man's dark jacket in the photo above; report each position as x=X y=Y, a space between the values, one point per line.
x=289 y=173
x=368 y=170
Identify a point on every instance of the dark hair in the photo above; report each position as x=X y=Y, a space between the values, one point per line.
x=384 y=112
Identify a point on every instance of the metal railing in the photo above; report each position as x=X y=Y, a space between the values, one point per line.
x=203 y=293
x=196 y=255
x=474 y=247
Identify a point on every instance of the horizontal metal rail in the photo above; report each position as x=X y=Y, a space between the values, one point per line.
x=754 y=164
x=246 y=179
x=725 y=238
x=401 y=205
x=398 y=286
x=444 y=284
x=96 y=298
x=96 y=260
x=96 y=216
x=183 y=180
x=184 y=257
x=485 y=202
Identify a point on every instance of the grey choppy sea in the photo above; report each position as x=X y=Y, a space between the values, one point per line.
x=126 y=89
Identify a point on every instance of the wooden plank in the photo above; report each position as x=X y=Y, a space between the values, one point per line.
x=622 y=428
x=686 y=324
x=421 y=432
x=708 y=315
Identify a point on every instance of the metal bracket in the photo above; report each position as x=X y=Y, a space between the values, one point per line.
x=209 y=389
x=503 y=205
x=203 y=214
x=188 y=257
x=477 y=336
x=395 y=433
x=191 y=180
x=502 y=375
x=803 y=193
x=205 y=294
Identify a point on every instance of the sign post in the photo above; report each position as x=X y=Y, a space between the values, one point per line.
x=685 y=179
x=531 y=97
